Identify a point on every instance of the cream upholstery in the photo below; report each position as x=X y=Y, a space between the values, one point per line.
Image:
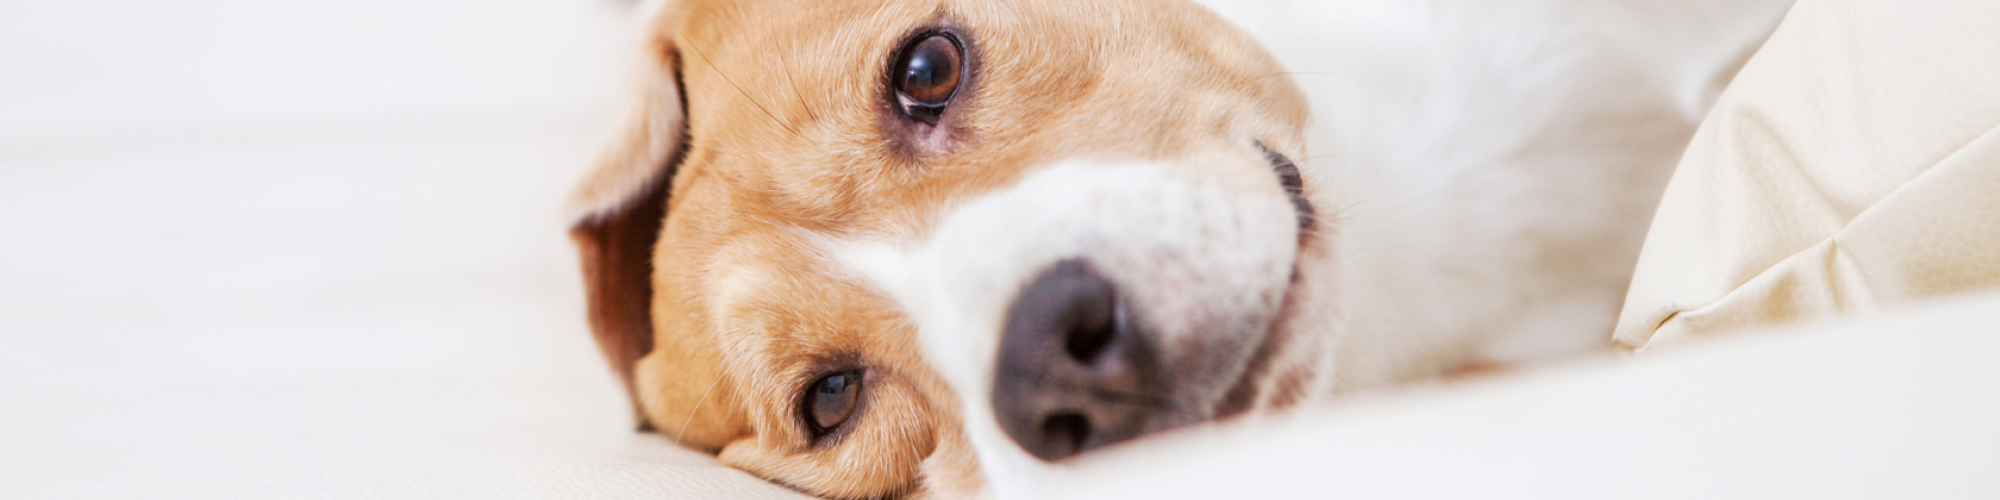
x=1853 y=165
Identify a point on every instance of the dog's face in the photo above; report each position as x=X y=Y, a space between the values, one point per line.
x=906 y=240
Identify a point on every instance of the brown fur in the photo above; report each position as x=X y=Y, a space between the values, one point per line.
x=791 y=141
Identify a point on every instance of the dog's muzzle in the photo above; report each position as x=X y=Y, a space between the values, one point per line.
x=1095 y=302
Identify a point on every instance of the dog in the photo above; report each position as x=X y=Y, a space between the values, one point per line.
x=935 y=248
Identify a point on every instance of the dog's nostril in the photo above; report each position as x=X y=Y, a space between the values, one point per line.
x=1063 y=435
x=1070 y=305
x=1091 y=323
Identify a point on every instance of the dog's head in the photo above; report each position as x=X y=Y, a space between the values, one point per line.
x=867 y=248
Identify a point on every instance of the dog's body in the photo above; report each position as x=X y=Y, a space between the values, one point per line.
x=1097 y=232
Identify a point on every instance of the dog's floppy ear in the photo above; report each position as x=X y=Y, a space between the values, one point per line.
x=618 y=210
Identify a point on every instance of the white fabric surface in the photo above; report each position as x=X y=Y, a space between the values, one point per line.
x=1900 y=406
x=377 y=319
x=1853 y=165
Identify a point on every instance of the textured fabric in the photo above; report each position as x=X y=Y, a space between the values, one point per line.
x=1853 y=165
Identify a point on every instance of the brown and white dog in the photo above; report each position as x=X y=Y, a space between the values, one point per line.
x=934 y=247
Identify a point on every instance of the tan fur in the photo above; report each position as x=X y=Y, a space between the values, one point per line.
x=790 y=146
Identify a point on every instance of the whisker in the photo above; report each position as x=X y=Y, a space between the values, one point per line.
x=697 y=407
x=786 y=65
x=746 y=95
x=1316 y=73
x=1274 y=18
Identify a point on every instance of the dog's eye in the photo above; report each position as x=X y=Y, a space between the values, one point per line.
x=927 y=75
x=831 y=399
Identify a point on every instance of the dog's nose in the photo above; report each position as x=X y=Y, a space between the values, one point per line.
x=1074 y=370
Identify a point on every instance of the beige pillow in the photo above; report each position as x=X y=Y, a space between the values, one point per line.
x=1853 y=165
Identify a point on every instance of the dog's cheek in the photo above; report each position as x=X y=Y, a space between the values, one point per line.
x=952 y=470
x=680 y=388
x=751 y=455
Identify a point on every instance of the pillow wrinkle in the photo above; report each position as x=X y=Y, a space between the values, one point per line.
x=1916 y=260
x=1853 y=165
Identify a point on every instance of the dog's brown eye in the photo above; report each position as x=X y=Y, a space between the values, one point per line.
x=927 y=76
x=831 y=399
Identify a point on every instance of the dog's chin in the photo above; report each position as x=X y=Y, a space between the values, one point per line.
x=1256 y=384
x=1238 y=377
x=1272 y=377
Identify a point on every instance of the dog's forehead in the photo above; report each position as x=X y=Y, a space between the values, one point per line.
x=788 y=101
x=1121 y=77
